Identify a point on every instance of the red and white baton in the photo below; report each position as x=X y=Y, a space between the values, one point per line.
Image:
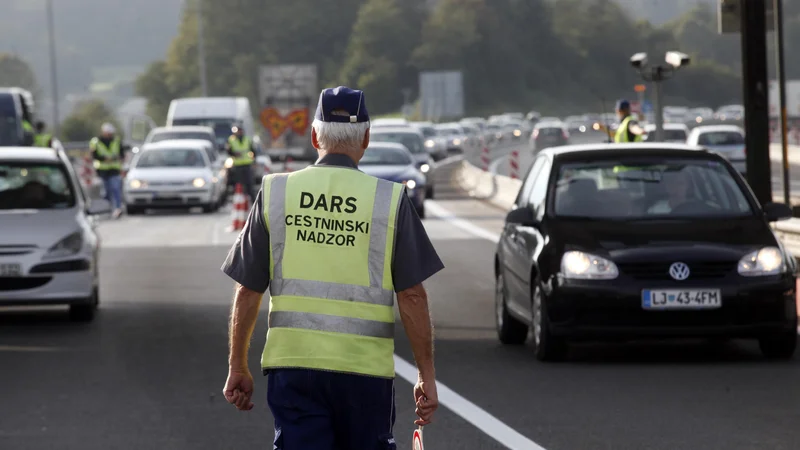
x=417 y=439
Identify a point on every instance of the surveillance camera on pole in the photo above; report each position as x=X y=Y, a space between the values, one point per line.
x=656 y=74
x=677 y=59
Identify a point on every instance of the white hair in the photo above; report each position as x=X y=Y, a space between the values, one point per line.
x=340 y=136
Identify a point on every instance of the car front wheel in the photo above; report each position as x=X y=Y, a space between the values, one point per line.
x=510 y=331
x=547 y=347
x=429 y=192
x=85 y=312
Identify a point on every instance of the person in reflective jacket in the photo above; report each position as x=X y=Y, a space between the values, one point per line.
x=334 y=246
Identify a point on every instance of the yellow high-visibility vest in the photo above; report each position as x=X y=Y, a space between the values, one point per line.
x=242 y=156
x=114 y=151
x=332 y=233
x=622 y=132
x=42 y=140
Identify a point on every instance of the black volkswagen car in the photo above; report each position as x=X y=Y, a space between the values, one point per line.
x=632 y=241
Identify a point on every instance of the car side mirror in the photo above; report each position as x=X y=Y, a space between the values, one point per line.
x=99 y=206
x=777 y=211
x=522 y=216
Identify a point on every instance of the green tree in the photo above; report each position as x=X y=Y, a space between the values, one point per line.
x=14 y=71
x=152 y=84
x=85 y=120
x=378 y=54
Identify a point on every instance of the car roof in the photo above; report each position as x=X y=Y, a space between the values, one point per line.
x=607 y=149
x=187 y=128
x=406 y=130
x=392 y=145
x=550 y=124
x=716 y=128
x=667 y=126
x=28 y=154
x=173 y=144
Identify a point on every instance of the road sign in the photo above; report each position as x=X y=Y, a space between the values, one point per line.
x=441 y=95
x=647 y=107
x=729 y=16
x=636 y=107
x=288 y=94
x=640 y=88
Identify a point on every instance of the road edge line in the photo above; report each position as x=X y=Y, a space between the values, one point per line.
x=439 y=211
x=472 y=413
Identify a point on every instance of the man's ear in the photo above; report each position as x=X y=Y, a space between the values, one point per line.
x=314 y=140
x=365 y=144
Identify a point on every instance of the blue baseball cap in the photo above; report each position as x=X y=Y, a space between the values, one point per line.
x=623 y=104
x=342 y=105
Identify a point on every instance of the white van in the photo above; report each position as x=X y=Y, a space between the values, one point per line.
x=219 y=113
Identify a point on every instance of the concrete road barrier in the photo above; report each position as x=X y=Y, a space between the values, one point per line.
x=498 y=190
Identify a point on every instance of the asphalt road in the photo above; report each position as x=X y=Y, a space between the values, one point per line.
x=149 y=371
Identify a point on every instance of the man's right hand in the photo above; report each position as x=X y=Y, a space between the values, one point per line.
x=239 y=389
x=426 y=399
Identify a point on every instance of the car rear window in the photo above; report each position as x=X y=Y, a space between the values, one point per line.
x=412 y=141
x=35 y=186
x=721 y=138
x=384 y=156
x=170 y=158
x=182 y=135
x=550 y=131
x=648 y=190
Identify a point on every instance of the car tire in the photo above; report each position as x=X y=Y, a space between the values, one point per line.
x=779 y=346
x=134 y=210
x=85 y=312
x=547 y=348
x=510 y=331
x=429 y=192
x=421 y=210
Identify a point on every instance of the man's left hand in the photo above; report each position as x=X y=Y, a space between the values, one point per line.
x=239 y=389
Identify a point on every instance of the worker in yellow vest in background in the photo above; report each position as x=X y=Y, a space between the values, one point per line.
x=42 y=138
x=108 y=154
x=333 y=245
x=629 y=129
x=240 y=147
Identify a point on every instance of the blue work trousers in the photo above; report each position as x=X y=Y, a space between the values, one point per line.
x=113 y=187
x=317 y=410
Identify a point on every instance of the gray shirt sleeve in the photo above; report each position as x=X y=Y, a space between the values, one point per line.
x=415 y=259
x=248 y=260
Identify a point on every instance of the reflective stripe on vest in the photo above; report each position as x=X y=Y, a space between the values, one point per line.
x=241 y=151
x=42 y=140
x=622 y=132
x=113 y=152
x=332 y=240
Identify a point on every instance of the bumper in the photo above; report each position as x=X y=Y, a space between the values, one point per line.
x=592 y=309
x=172 y=198
x=47 y=289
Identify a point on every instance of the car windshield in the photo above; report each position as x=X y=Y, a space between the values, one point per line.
x=34 y=186
x=721 y=138
x=428 y=132
x=412 y=141
x=222 y=126
x=170 y=158
x=648 y=190
x=181 y=135
x=383 y=156
x=550 y=131
x=448 y=131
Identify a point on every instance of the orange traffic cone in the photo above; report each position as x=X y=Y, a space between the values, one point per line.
x=239 y=212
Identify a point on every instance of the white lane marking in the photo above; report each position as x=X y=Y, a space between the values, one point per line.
x=27 y=348
x=469 y=411
x=437 y=210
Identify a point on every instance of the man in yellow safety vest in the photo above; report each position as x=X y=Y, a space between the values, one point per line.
x=333 y=245
x=629 y=129
x=108 y=155
x=42 y=138
x=240 y=147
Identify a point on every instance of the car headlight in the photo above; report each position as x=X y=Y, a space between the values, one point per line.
x=137 y=184
x=584 y=266
x=517 y=133
x=198 y=182
x=65 y=247
x=425 y=168
x=411 y=184
x=767 y=261
x=229 y=163
x=456 y=141
x=430 y=143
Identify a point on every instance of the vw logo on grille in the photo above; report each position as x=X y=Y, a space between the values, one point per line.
x=679 y=271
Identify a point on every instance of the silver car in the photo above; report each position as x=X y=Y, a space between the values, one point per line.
x=175 y=174
x=727 y=140
x=48 y=247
